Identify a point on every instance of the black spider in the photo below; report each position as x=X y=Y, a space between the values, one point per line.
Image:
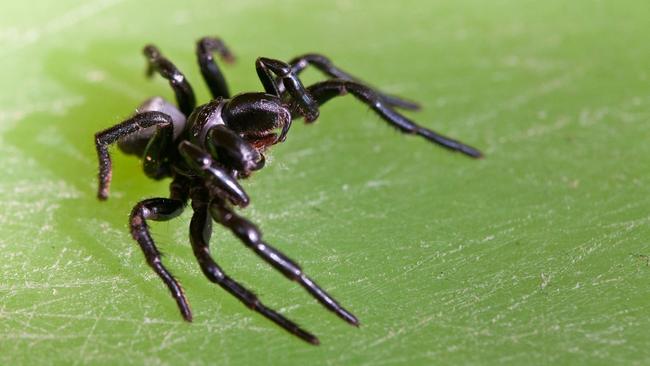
x=206 y=149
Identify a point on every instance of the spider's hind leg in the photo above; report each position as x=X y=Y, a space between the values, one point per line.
x=326 y=90
x=182 y=88
x=212 y=74
x=325 y=65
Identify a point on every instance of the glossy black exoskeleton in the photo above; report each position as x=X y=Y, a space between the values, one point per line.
x=207 y=149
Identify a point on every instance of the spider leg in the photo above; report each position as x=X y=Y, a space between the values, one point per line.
x=209 y=69
x=158 y=209
x=217 y=177
x=182 y=88
x=153 y=161
x=326 y=66
x=250 y=235
x=304 y=102
x=326 y=90
x=233 y=150
x=200 y=232
x=132 y=125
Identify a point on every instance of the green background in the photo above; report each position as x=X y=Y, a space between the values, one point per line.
x=536 y=254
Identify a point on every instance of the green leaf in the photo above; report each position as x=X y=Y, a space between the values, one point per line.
x=537 y=254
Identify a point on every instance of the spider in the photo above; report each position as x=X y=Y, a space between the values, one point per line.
x=205 y=150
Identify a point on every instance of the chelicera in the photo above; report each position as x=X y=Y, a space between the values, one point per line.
x=206 y=150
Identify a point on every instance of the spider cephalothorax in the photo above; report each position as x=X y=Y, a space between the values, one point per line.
x=206 y=149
